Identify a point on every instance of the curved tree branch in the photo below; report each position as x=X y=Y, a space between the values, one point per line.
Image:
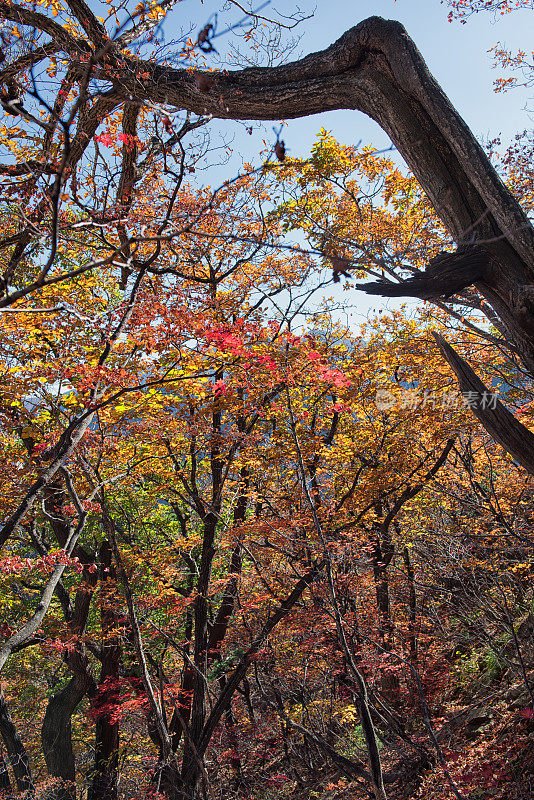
x=374 y=68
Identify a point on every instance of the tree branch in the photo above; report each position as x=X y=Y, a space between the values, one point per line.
x=500 y=423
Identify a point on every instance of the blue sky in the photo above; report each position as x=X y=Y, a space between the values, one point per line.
x=457 y=55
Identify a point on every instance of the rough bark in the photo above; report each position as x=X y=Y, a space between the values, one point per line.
x=56 y=734
x=446 y=274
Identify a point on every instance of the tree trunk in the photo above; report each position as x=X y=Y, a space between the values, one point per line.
x=56 y=731
x=381 y=578
x=5 y=782
x=234 y=759
x=384 y=551
x=191 y=761
x=105 y=777
x=18 y=757
x=56 y=735
x=412 y=599
x=169 y=783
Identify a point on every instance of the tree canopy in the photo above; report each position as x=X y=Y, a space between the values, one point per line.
x=249 y=550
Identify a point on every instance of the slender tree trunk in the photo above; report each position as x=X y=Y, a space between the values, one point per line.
x=18 y=757
x=412 y=600
x=382 y=556
x=190 y=763
x=105 y=778
x=230 y=728
x=184 y=700
x=184 y=703
x=381 y=579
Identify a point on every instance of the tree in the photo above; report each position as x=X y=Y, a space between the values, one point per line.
x=233 y=528
x=374 y=67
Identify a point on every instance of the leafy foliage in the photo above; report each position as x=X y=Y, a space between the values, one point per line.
x=248 y=550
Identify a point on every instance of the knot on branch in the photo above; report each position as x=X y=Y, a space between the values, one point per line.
x=446 y=274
